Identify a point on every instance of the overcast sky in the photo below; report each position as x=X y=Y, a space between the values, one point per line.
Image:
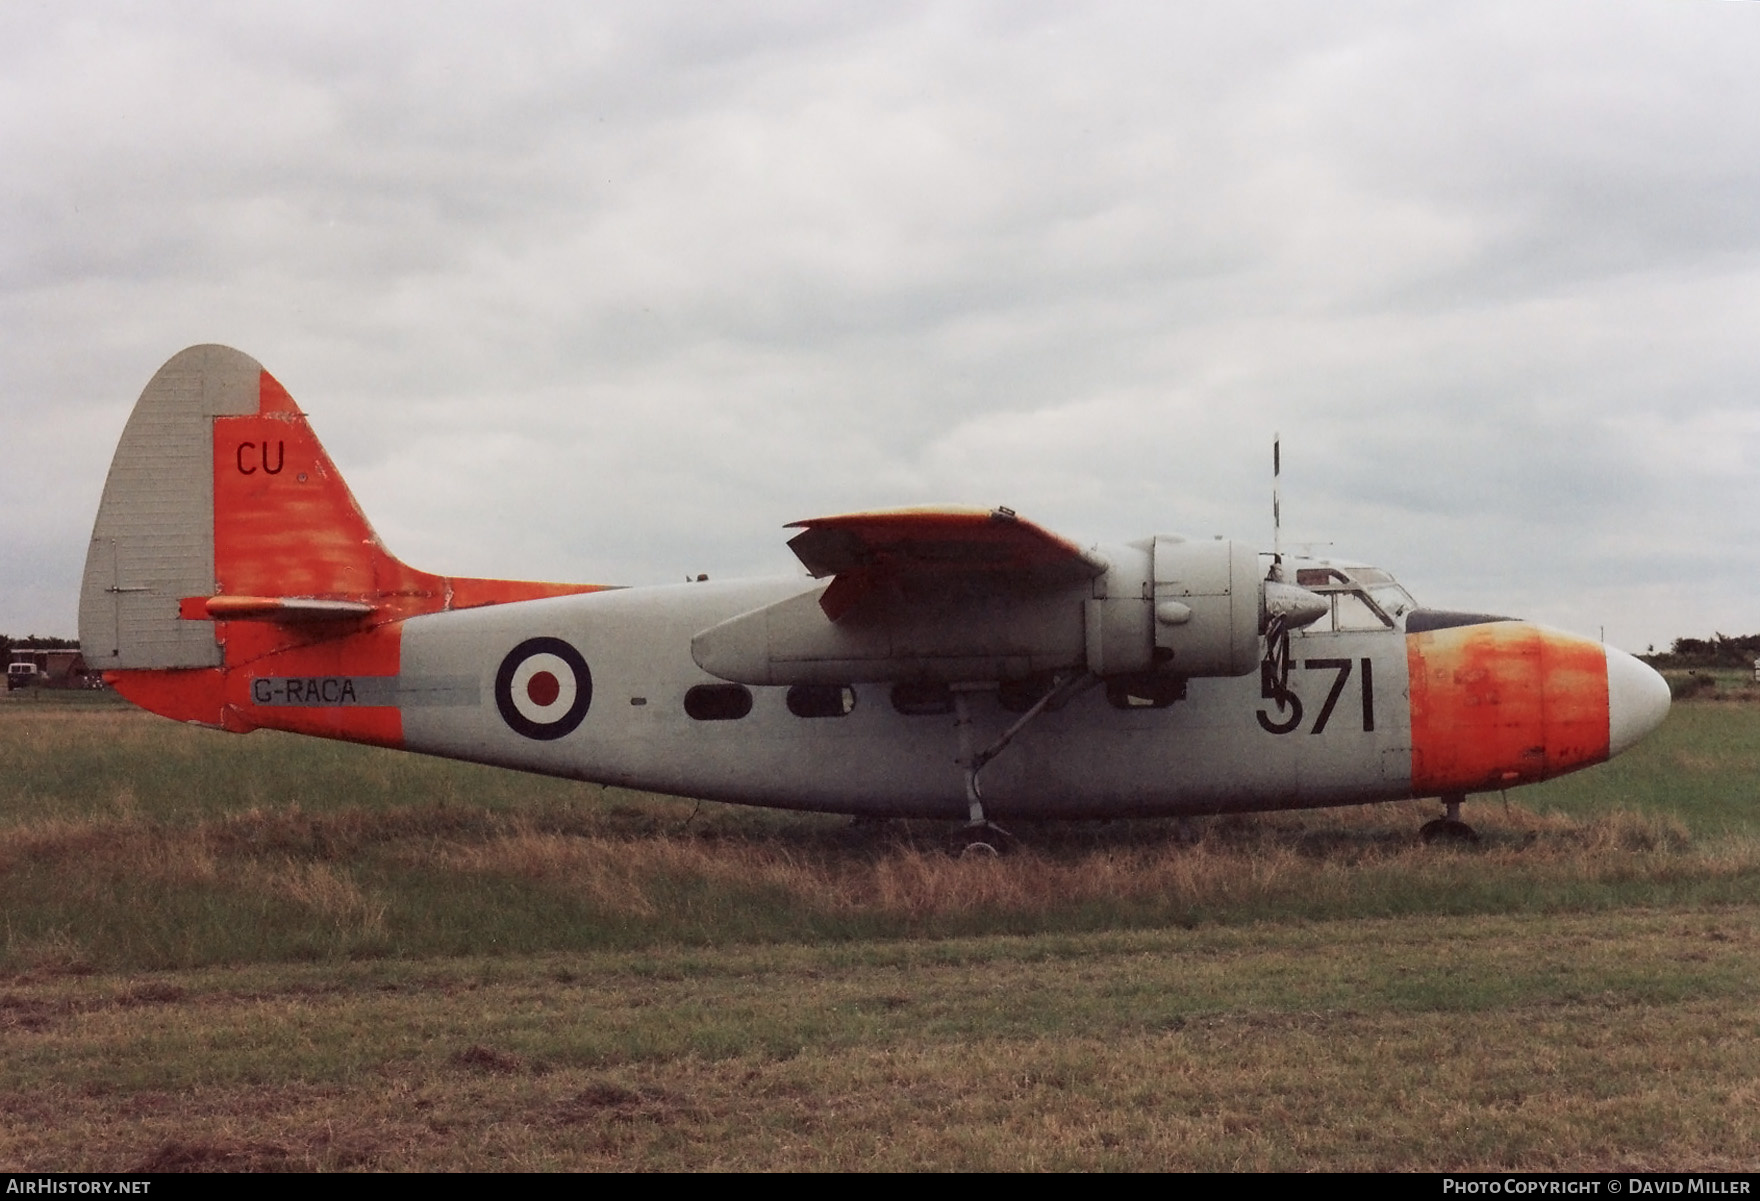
x=610 y=293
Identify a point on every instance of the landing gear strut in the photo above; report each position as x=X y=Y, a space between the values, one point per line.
x=980 y=837
x=1449 y=827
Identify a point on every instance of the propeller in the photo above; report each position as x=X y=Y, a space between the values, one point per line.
x=1276 y=508
x=1287 y=606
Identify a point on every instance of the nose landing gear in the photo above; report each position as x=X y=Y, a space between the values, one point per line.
x=1449 y=828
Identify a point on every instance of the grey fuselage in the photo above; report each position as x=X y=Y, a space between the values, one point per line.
x=1207 y=753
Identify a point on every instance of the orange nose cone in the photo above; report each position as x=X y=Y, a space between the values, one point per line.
x=1504 y=703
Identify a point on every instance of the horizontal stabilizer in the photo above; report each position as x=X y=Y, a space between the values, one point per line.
x=271 y=608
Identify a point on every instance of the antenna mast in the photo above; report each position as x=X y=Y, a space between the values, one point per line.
x=1276 y=506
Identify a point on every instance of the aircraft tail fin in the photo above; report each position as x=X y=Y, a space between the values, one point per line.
x=226 y=532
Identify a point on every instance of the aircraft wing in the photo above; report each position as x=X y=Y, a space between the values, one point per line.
x=910 y=550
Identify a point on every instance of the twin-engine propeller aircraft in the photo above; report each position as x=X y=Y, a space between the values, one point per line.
x=934 y=663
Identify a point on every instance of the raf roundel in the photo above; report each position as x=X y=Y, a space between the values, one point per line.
x=543 y=688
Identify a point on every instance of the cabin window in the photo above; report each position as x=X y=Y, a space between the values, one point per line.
x=1145 y=692
x=821 y=700
x=922 y=699
x=718 y=702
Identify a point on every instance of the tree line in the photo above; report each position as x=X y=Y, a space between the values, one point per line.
x=1719 y=650
x=34 y=642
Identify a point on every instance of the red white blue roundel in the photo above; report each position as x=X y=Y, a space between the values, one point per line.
x=543 y=688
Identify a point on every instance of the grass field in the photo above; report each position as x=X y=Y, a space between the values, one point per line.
x=274 y=952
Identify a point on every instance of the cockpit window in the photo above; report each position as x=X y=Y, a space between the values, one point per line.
x=1351 y=611
x=1363 y=598
x=1395 y=601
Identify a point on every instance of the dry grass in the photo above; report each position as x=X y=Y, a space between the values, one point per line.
x=125 y=892
x=1241 y=859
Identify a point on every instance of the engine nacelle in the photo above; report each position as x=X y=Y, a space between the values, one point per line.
x=1176 y=606
x=1209 y=606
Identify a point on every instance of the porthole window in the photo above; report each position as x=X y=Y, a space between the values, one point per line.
x=718 y=702
x=922 y=699
x=1145 y=692
x=821 y=700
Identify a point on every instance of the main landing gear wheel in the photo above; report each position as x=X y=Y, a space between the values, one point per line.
x=980 y=840
x=1449 y=827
